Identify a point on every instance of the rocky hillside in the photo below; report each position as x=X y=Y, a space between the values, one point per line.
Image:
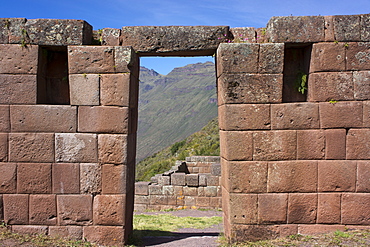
x=173 y=106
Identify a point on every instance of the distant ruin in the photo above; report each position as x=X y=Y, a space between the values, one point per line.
x=294 y=118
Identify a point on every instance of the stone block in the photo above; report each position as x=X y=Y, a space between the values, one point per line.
x=155 y=189
x=8 y=178
x=58 y=32
x=105 y=235
x=164 y=180
x=178 y=179
x=84 y=89
x=91 y=59
x=3 y=147
x=329 y=28
x=215 y=170
x=11 y=30
x=103 y=119
x=272 y=208
x=43 y=118
x=178 y=190
x=189 y=200
x=76 y=147
x=202 y=201
x=43 y=210
x=110 y=36
x=312 y=229
x=31 y=147
x=253 y=233
x=236 y=145
x=250 y=88
x=15 y=209
x=30 y=230
x=115 y=89
x=90 y=178
x=243 y=34
x=71 y=232
x=341 y=115
x=244 y=116
x=329 y=208
x=192 y=180
x=296 y=29
x=363 y=175
x=168 y=190
x=271 y=58
x=18 y=89
x=237 y=58
x=274 y=145
x=114 y=179
x=141 y=188
x=174 y=40
x=210 y=191
x=355 y=208
x=358 y=56
x=328 y=57
x=141 y=200
x=253 y=179
x=158 y=200
x=201 y=191
x=357 y=144
x=34 y=178
x=213 y=180
x=302 y=208
x=310 y=144
x=190 y=191
x=336 y=176
x=112 y=149
x=361 y=83
x=347 y=27
x=16 y=59
x=292 y=176
x=74 y=210
x=327 y=86
x=364 y=27
x=335 y=144
x=295 y=116
x=126 y=60
x=215 y=202
x=4 y=118
x=66 y=178
x=109 y=210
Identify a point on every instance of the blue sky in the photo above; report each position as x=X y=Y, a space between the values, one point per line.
x=233 y=13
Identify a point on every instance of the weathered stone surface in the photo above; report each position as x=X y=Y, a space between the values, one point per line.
x=107 y=235
x=178 y=179
x=43 y=118
x=4 y=118
x=90 y=179
x=174 y=40
x=15 y=59
x=115 y=90
x=84 y=89
x=141 y=188
x=355 y=208
x=341 y=114
x=103 y=119
x=76 y=147
x=74 y=209
x=43 y=210
x=336 y=176
x=244 y=116
x=310 y=144
x=31 y=147
x=215 y=169
x=328 y=57
x=248 y=88
x=8 y=178
x=347 y=27
x=126 y=60
x=328 y=86
x=192 y=191
x=11 y=30
x=155 y=189
x=114 y=179
x=202 y=201
x=18 y=89
x=302 y=208
x=329 y=207
x=357 y=144
x=15 y=209
x=72 y=232
x=311 y=229
x=112 y=149
x=253 y=233
x=58 y=32
x=236 y=145
x=292 y=176
x=296 y=29
x=34 y=178
x=274 y=145
x=363 y=175
x=30 y=230
x=237 y=58
x=329 y=28
x=358 y=56
x=158 y=200
x=272 y=208
x=335 y=144
x=295 y=116
x=109 y=210
x=361 y=84
x=271 y=58
x=365 y=27
x=3 y=147
x=243 y=34
x=110 y=36
x=66 y=178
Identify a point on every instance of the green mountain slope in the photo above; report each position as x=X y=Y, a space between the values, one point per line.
x=204 y=142
x=174 y=106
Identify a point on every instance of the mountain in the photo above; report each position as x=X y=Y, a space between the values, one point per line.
x=173 y=106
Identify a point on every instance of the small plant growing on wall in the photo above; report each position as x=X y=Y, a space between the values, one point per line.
x=301 y=82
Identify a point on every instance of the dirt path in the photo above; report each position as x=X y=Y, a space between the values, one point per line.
x=187 y=237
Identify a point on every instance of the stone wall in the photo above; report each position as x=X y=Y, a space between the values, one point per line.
x=192 y=184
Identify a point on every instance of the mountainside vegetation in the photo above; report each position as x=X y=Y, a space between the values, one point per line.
x=204 y=142
x=173 y=106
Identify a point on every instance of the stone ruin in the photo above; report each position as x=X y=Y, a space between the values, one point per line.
x=294 y=118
